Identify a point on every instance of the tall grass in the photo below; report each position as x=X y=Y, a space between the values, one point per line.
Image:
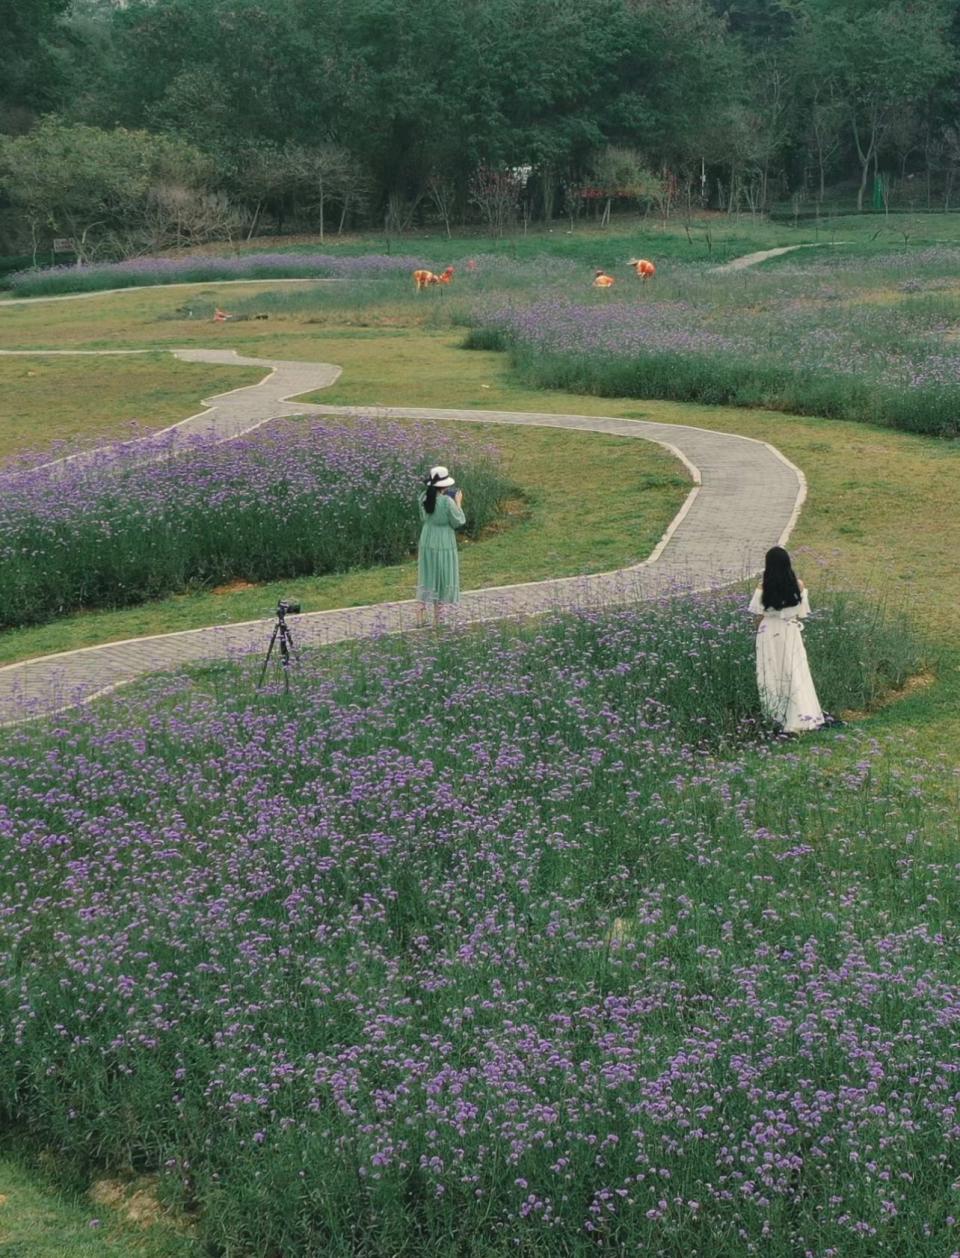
x=293 y=498
x=523 y=941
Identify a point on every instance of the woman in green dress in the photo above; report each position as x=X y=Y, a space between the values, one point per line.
x=438 y=565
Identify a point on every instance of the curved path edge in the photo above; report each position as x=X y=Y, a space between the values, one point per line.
x=746 y=497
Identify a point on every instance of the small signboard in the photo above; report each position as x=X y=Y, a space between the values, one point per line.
x=63 y=244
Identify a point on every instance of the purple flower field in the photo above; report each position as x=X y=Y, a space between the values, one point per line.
x=621 y=329
x=813 y=339
x=294 y=497
x=523 y=941
x=138 y=272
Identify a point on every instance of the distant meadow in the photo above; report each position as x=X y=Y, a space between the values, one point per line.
x=146 y=271
x=868 y=337
x=871 y=339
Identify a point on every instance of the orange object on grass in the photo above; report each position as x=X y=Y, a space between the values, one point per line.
x=603 y=280
x=643 y=269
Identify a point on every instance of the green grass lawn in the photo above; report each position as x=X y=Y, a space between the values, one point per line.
x=46 y=401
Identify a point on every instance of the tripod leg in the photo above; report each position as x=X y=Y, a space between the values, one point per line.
x=263 y=671
x=286 y=652
x=289 y=650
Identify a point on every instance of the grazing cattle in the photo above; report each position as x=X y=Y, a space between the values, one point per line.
x=423 y=279
x=643 y=269
x=603 y=280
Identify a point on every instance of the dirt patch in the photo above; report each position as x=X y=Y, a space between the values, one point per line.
x=622 y=930
x=919 y=682
x=136 y=1201
x=233 y=587
x=512 y=511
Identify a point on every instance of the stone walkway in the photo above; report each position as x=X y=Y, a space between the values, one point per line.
x=746 y=498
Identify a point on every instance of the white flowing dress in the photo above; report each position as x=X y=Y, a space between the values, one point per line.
x=787 y=693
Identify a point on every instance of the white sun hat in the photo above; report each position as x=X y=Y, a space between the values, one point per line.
x=440 y=477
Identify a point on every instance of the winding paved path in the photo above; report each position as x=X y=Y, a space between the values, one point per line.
x=745 y=498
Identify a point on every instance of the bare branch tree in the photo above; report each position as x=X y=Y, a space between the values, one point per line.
x=442 y=191
x=496 y=194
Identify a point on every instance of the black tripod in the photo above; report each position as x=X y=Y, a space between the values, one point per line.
x=281 y=630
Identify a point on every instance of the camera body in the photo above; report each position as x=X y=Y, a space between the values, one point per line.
x=287 y=607
x=452 y=490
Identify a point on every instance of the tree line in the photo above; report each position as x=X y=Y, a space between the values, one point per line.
x=134 y=124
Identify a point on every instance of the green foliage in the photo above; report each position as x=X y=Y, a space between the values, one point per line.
x=727 y=105
x=881 y=60
x=86 y=182
x=27 y=63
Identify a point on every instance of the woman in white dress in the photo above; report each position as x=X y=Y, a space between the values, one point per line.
x=787 y=693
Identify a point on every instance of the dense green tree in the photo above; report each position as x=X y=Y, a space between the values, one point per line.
x=678 y=71
x=91 y=184
x=310 y=108
x=883 y=59
x=29 y=71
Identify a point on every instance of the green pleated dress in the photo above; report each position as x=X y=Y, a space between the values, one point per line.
x=438 y=565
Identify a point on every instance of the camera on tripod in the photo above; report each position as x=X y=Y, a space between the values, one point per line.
x=283 y=638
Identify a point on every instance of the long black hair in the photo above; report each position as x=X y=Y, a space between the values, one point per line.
x=780 y=585
x=430 y=502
